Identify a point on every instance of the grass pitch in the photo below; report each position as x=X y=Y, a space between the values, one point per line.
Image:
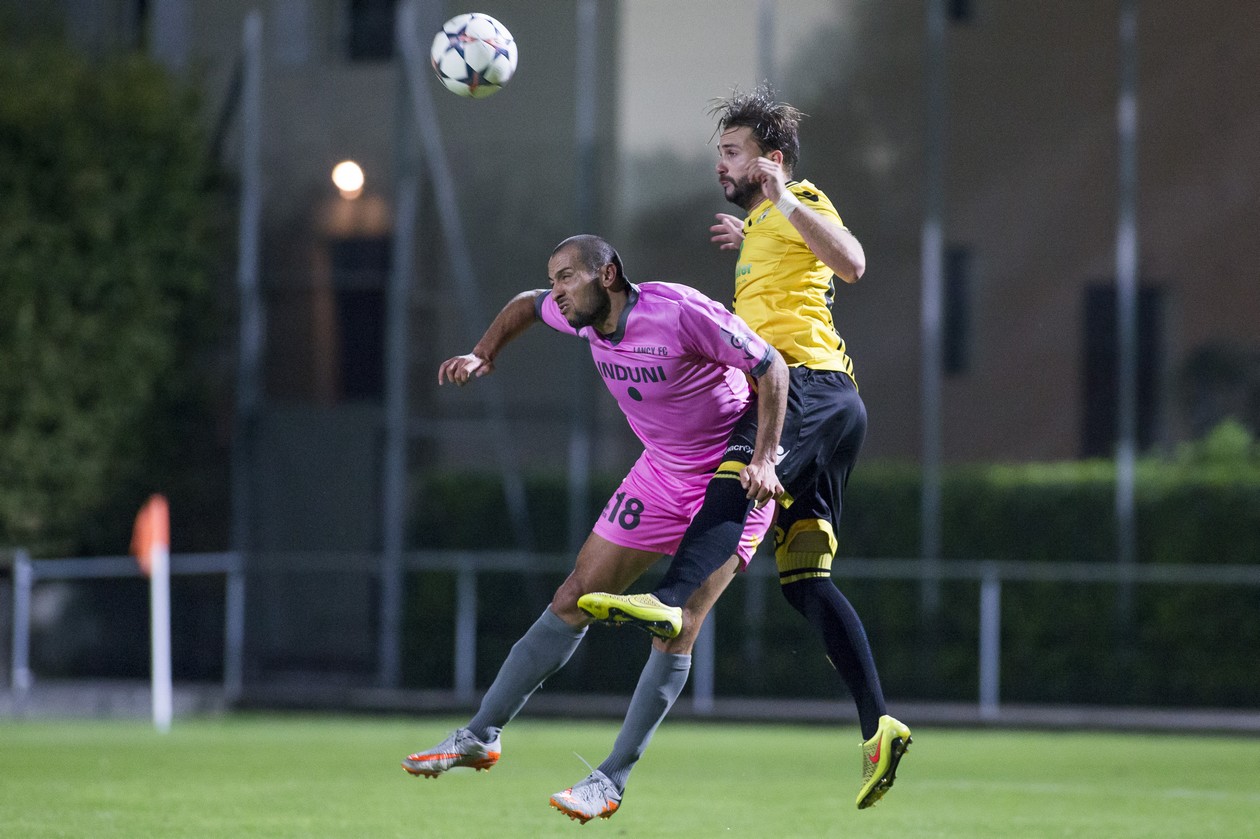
x=305 y=776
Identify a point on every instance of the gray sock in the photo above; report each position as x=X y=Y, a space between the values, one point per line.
x=661 y=681
x=541 y=651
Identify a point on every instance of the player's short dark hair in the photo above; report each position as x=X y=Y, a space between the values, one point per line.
x=594 y=252
x=774 y=124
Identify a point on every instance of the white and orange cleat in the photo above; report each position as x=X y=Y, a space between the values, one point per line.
x=462 y=748
x=593 y=797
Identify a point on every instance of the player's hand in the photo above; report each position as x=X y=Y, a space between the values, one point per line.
x=728 y=233
x=767 y=173
x=761 y=482
x=461 y=368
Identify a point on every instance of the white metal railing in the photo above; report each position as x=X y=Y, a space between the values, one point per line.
x=469 y=565
x=990 y=574
x=27 y=572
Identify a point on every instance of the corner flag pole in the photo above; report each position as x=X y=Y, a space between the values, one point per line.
x=151 y=545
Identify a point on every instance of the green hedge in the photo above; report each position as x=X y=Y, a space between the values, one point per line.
x=1062 y=642
x=108 y=220
x=1202 y=505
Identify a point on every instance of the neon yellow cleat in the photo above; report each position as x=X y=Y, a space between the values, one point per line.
x=641 y=610
x=880 y=756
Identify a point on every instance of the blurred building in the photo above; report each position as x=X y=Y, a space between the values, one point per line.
x=1030 y=211
x=1030 y=203
x=622 y=146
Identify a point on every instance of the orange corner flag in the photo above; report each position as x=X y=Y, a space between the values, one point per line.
x=152 y=531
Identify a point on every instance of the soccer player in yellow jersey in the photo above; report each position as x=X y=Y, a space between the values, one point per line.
x=792 y=245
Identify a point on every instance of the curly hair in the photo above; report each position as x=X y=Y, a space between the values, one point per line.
x=774 y=124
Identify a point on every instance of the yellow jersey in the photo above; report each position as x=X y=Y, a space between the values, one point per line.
x=783 y=291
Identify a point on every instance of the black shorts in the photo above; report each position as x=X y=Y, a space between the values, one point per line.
x=823 y=432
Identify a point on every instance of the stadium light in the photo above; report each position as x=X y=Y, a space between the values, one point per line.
x=347 y=176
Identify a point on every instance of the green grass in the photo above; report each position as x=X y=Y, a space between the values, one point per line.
x=306 y=776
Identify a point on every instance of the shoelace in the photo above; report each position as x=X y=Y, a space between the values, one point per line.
x=585 y=763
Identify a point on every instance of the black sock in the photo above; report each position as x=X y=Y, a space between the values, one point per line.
x=709 y=541
x=834 y=618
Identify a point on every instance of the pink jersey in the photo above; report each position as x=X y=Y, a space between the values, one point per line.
x=676 y=367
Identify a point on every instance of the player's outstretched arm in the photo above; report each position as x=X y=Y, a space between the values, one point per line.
x=517 y=316
x=759 y=477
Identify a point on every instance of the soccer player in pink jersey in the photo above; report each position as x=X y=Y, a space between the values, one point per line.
x=678 y=365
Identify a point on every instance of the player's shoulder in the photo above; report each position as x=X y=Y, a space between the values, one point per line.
x=682 y=302
x=675 y=293
x=808 y=192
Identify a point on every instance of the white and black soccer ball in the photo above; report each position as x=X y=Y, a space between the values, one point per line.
x=474 y=55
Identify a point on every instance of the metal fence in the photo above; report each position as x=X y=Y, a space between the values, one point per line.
x=27 y=572
x=469 y=567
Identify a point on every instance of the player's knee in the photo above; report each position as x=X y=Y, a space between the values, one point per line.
x=805 y=551
x=681 y=645
x=564 y=601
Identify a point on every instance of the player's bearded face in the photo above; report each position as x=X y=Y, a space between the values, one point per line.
x=737 y=148
x=740 y=191
x=582 y=297
x=588 y=306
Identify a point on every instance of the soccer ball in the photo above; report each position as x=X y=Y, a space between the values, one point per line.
x=474 y=55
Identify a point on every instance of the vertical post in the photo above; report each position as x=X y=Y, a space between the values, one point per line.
x=23 y=582
x=932 y=257
x=249 y=362
x=1126 y=310
x=754 y=625
x=465 y=634
x=990 y=642
x=151 y=546
x=702 y=667
x=397 y=314
x=234 y=628
x=464 y=285
x=160 y=637
x=586 y=60
x=765 y=41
